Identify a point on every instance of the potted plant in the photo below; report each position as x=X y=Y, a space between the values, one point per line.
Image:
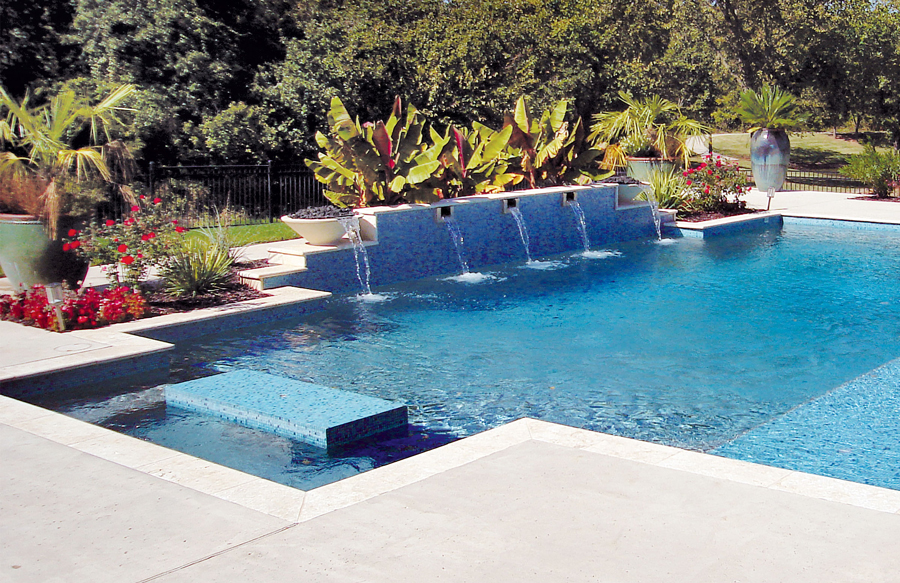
x=649 y=135
x=770 y=112
x=56 y=161
x=320 y=225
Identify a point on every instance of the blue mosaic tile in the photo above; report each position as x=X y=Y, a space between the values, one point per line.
x=850 y=433
x=412 y=244
x=854 y=225
x=314 y=414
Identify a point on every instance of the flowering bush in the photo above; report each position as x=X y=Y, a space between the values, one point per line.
x=715 y=185
x=129 y=248
x=88 y=309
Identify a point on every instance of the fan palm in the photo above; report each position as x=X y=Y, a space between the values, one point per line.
x=653 y=126
x=38 y=144
x=770 y=108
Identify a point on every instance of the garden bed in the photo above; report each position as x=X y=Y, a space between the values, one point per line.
x=162 y=303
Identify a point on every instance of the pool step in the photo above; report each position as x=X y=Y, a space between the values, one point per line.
x=272 y=276
x=323 y=417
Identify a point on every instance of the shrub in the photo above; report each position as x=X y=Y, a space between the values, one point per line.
x=667 y=188
x=715 y=185
x=129 y=248
x=201 y=267
x=879 y=170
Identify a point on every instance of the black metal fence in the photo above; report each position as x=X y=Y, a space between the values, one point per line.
x=247 y=193
x=819 y=180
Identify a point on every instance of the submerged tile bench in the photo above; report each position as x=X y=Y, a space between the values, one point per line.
x=320 y=416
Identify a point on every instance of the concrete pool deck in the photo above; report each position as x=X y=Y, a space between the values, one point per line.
x=529 y=501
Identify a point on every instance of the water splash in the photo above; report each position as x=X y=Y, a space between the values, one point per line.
x=581 y=224
x=351 y=227
x=473 y=277
x=523 y=231
x=601 y=254
x=545 y=265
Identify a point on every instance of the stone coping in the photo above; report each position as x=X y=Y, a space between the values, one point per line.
x=735 y=220
x=119 y=342
x=297 y=505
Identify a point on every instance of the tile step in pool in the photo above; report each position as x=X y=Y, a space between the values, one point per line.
x=321 y=416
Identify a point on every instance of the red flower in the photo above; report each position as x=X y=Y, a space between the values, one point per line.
x=145 y=237
x=122 y=248
x=66 y=246
x=180 y=229
x=157 y=200
x=685 y=173
x=689 y=182
x=127 y=260
x=116 y=240
x=129 y=222
x=140 y=255
x=710 y=172
x=174 y=221
x=702 y=166
x=706 y=190
x=110 y=222
x=142 y=197
x=72 y=232
x=75 y=244
x=136 y=208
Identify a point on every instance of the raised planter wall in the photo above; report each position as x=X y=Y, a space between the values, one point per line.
x=413 y=244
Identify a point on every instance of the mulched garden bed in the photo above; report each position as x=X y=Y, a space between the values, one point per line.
x=162 y=303
x=700 y=217
x=878 y=198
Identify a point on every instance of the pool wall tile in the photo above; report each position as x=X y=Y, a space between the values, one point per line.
x=413 y=243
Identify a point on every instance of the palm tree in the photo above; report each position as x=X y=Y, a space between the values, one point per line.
x=653 y=127
x=39 y=151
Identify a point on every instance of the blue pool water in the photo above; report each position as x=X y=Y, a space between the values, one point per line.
x=698 y=344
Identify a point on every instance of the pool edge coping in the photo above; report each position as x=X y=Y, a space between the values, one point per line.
x=296 y=506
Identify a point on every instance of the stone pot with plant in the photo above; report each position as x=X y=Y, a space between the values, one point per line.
x=770 y=112
x=649 y=135
x=57 y=160
x=320 y=225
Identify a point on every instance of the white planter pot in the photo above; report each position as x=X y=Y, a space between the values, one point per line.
x=317 y=231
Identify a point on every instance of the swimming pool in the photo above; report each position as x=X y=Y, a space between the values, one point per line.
x=694 y=344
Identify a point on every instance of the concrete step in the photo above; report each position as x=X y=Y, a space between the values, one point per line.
x=263 y=278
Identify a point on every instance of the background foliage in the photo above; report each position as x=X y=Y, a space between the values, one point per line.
x=248 y=80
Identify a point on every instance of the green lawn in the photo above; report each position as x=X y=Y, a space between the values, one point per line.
x=250 y=234
x=808 y=150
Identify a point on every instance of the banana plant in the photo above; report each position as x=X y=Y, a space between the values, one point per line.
x=374 y=163
x=551 y=150
x=471 y=161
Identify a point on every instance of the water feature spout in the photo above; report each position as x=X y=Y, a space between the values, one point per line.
x=523 y=231
x=351 y=227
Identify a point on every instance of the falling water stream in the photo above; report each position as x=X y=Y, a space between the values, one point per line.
x=457 y=237
x=581 y=224
x=523 y=232
x=351 y=227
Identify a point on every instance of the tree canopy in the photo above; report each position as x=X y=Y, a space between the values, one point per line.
x=251 y=80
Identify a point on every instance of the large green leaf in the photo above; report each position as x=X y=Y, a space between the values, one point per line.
x=422 y=172
x=340 y=121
